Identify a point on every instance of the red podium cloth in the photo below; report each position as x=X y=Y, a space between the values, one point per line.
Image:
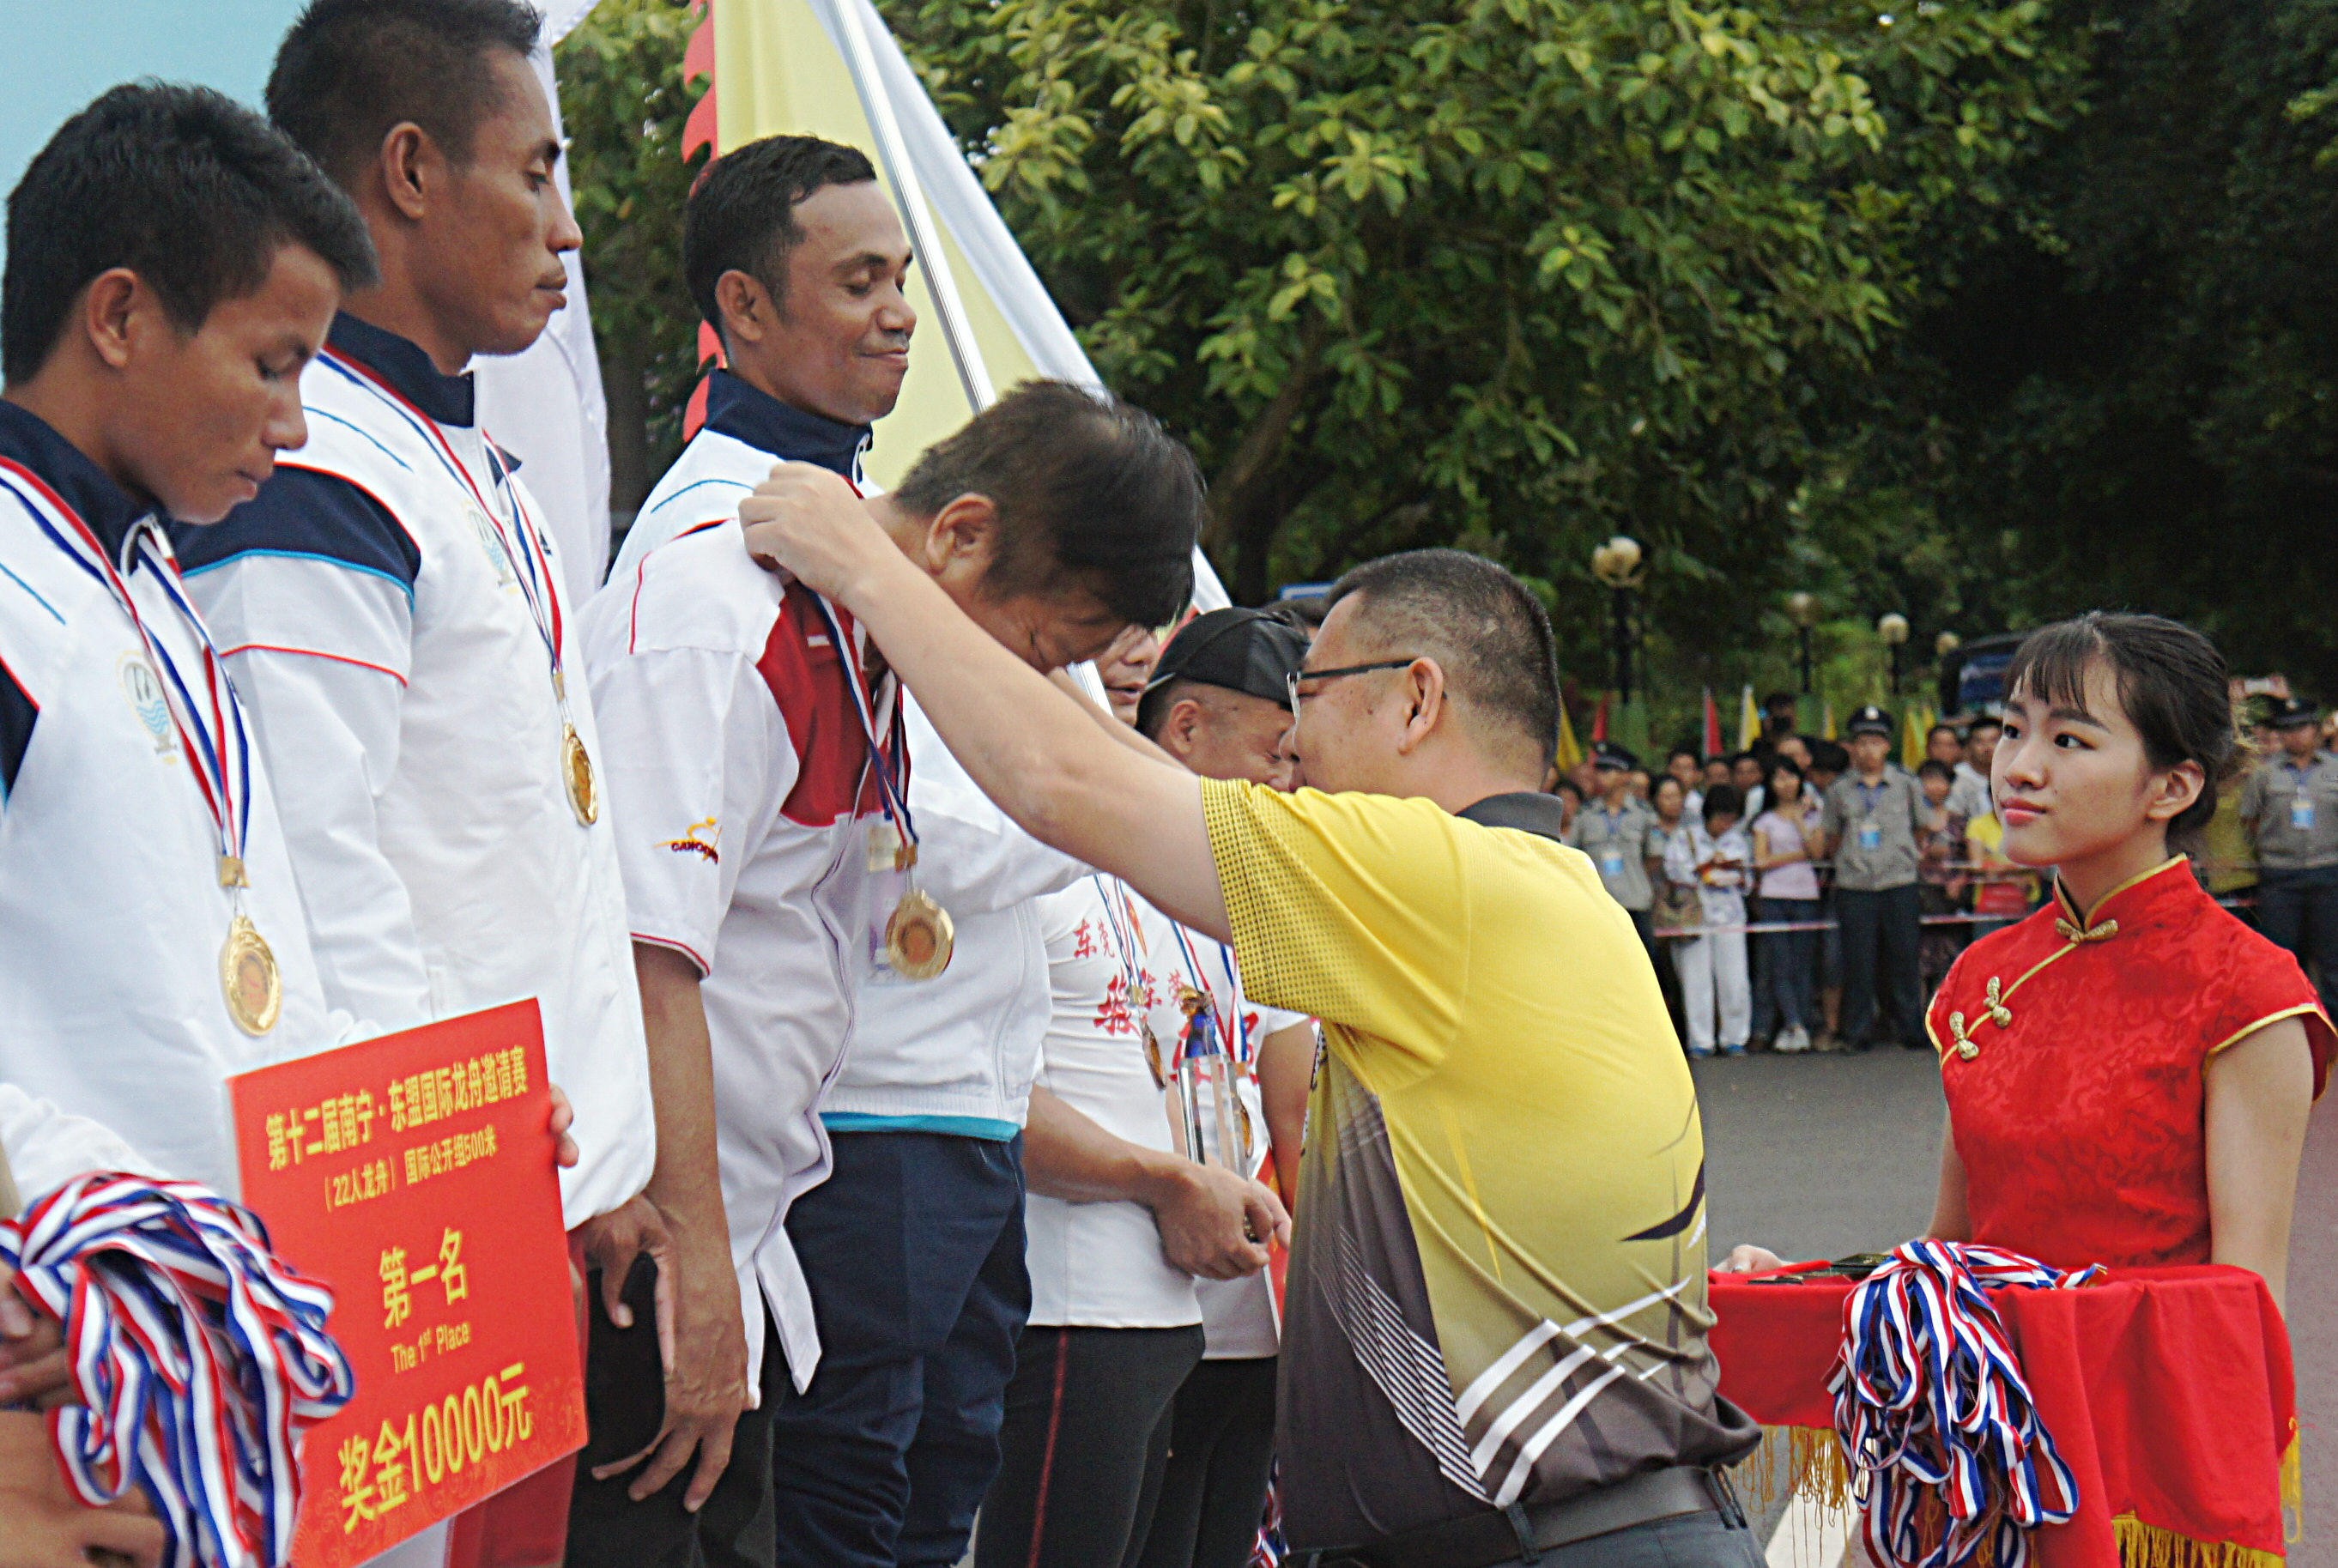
x=2168 y=1391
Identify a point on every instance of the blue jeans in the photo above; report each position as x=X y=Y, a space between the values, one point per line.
x=913 y=1250
x=1789 y=967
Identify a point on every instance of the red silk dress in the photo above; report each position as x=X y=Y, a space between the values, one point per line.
x=2073 y=1055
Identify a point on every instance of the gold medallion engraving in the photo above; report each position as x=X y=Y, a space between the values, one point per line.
x=577 y=770
x=247 y=974
x=920 y=938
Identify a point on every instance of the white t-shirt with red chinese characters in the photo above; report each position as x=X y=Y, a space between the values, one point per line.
x=738 y=774
x=1238 y=1315
x=1100 y=1265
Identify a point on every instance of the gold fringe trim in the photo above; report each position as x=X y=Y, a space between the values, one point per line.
x=2143 y=1545
x=1809 y=1464
x=1801 y=1461
x=2293 y=1490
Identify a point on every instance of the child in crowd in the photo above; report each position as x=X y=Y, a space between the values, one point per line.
x=1940 y=871
x=1790 y=892
x=1672 y=907
x=1711 y=858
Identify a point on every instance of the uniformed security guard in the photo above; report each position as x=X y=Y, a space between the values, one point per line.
x=1870 y=831
x=2290 y=807
x=1616 y=831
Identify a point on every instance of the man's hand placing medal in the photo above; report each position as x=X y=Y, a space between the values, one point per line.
x=805 y=522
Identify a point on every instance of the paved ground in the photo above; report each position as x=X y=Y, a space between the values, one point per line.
x=1822 y=1155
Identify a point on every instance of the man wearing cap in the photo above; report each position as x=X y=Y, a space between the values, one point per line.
x=1870 y=830
x=2290 y=807
x=1143 y=1260
x=1220 y=703
x=1614 y=832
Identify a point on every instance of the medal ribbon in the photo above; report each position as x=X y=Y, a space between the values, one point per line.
x=532 y=565
x=199 y=1356
x=892 y=790
x=226 y=789
x=1930 y=1402
x=1229 y=1030
x=1121 y=921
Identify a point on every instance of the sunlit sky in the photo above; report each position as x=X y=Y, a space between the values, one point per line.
x=64 y=52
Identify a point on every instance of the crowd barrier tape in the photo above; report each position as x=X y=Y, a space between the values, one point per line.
x=1777 y=928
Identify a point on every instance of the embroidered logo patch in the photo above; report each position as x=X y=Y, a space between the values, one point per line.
x=144 y=690
x=703 y=838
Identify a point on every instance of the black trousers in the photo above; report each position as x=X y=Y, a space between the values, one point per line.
x=913 y=1250
x=2299 y=911
x=1220 y=1460
x=1082 y=1451
x=624 y=1403
x=1880 y=932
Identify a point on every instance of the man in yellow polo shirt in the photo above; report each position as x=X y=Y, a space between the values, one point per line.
x=1495 y=1348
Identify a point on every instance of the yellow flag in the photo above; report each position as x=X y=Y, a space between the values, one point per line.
x=1749 y=721
x=1570 y=750
x=1828 y=732
x=1911 y=739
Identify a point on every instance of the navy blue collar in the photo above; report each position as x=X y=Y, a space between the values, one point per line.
x=746 y=413
x=401 y=362
x=110 y=511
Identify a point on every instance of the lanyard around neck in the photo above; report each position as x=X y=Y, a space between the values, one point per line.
x=218 y=746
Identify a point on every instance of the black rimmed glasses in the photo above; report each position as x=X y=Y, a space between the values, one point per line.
x=1291 y=681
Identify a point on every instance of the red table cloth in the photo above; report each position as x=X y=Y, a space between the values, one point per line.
x=2168 y=1391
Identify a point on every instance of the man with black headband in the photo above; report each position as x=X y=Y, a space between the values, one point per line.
x=1474 y=1372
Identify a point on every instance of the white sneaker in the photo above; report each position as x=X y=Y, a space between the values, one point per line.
x=1796 y=1038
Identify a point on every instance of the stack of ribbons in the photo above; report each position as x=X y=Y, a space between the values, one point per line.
x=1948 y=1457
x=199 y=1357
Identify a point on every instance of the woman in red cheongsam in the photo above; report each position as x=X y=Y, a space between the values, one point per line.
x=2129 y=1070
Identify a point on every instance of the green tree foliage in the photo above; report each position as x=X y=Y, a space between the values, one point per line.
x=1515 y=273
x=624 y=103
x=2130 y=396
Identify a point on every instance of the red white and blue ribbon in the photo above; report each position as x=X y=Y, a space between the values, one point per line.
x=892 y=768
x=1930 y=1402
x=217 y=745
x=531 y=562
x=199 y=1358
x=1224 y=1033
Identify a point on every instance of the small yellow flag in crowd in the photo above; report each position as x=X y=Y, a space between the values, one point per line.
x=1570 y=750
x=1749 y=721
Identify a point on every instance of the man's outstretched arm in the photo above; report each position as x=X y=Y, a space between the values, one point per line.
x=1029 y=746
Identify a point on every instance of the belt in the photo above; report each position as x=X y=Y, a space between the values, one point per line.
x=1517 y=1533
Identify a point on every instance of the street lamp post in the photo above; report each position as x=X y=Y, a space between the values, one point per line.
x=1802 y=609
x=1894 y=629
x=1617 y=564
x=1945 y=644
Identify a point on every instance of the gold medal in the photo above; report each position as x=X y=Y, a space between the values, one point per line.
x=248 y=974
x=920 y=938
x=576 y=769
x=1155 y=1057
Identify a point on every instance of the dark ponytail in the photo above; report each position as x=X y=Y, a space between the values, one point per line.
x=2173 y=686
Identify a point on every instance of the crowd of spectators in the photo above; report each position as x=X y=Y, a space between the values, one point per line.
x=1809 y=895
x=1804 y=893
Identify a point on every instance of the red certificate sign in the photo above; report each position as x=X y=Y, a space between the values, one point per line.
x=414 y=1174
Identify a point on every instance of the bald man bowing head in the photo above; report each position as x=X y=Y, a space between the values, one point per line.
x=1495 y=1340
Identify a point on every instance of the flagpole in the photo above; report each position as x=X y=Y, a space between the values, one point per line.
x=924 y=234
